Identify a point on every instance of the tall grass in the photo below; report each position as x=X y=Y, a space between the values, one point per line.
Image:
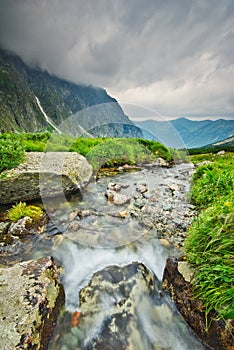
x=210 y=242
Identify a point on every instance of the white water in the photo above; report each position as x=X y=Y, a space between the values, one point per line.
x=46 y=116
x=159 y=326
x=81 y=262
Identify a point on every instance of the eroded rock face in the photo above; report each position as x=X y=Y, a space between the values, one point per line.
x=176 y=281
x=31 y=297
x=45 y=174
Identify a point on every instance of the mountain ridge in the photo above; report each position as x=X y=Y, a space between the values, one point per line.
x=186 y=133
x=23 y=90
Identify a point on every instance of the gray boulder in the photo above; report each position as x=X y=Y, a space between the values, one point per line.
x=31 y=297
x=45 y=175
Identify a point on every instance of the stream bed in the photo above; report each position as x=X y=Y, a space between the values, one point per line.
x=112 y=243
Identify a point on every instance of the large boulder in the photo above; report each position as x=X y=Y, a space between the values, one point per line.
x=45 y=175
x=31 y=297
x=123 y=308
x=177 y=282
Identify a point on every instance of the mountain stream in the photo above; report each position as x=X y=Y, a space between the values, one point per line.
x=112 y=244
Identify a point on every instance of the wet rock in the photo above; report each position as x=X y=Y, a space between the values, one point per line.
x=123 y=214
x=141 y=188
x=174 y=187
x=125 y=287
x=165 y=242
x=4 y=227
x=45 y=175
x=20 y=228
x=16 y=233
x=123 y=308
x=177 y=282
x=117 y=198
x=31 y=297
x=114 y=186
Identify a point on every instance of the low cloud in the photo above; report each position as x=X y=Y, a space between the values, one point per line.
x=174 y=56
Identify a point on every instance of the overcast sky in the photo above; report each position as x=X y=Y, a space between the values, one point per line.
x=172 y=57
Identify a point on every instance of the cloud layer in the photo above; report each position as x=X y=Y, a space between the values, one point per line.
x=174 y=56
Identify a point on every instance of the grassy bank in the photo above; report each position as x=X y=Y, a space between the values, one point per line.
x=210 y=243
x=99 y=151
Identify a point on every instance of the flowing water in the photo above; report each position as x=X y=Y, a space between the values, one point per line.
x=89 y=234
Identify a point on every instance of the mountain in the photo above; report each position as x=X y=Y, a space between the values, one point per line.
x=32 y=100
x=226 y=145
x=182 y=132
x=227 y=142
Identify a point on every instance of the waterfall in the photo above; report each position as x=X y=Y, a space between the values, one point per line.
x=46 y=116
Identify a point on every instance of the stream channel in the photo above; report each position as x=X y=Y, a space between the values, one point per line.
x=96 y=239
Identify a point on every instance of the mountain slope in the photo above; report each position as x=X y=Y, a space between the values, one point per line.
x=28 y=95
x=187 y=133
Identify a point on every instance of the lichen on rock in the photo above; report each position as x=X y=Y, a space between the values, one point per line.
x=31 y=297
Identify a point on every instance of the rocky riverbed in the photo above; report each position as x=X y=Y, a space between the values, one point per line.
x=112 y=244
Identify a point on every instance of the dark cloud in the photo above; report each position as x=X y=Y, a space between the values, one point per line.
x=175 y=56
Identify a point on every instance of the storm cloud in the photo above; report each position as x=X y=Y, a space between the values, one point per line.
x=172 y=56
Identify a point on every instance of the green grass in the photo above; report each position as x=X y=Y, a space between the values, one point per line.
x=100 y=152
x=210 y=243
x=210 y=183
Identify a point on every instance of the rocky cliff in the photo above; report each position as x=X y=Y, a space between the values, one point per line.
x=32 y=100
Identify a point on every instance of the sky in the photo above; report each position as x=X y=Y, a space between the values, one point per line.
x=166 y=58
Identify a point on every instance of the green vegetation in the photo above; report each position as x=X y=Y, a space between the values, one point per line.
x=114 y=152
x=156 y=148
x=211 y=149
x=11 y=153
x=210 y=242
x=100 y=152
x=211 y=183
x=21 y=210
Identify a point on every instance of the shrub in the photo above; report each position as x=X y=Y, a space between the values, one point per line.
x=156 y=148
x=113 y=152
x=11 y=153
x=21 y=210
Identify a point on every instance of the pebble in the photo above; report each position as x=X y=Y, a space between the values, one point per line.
x=165 y=242
x=141 y=188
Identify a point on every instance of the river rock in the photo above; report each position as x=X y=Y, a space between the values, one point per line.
x=4 y=227
x=20 y=228
x=142 y=188
x=31 y=298
x=125 y=286
x=117 y=198
x=124 y=308
x=114 y=186
x=45 y=175
x=177 y=282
